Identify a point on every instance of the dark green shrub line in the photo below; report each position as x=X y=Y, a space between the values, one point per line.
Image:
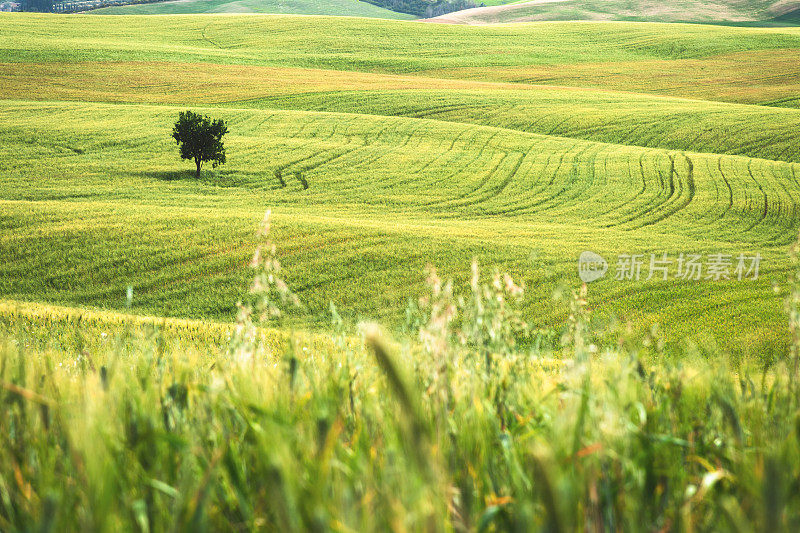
x=424 y=8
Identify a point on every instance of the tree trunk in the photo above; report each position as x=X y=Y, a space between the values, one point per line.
x=198 y=163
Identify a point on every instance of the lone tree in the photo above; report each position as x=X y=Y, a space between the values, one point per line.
x=200 y=138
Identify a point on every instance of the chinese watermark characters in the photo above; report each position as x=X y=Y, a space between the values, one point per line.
x=663 y=267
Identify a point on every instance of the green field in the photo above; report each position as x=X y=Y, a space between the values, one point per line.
x=479 y=157
x=139 y=395
x=118 y=423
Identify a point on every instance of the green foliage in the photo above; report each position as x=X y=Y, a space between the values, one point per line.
x=200 y=139
x=40 y=6
x=267 y=296
x=793 y=309
x=142 y=430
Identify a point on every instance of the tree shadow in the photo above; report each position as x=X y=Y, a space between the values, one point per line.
x=212 y=177
x=225 y=178
x=172 y=175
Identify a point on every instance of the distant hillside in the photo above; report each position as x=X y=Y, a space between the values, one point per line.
x=791 y=17
x=355 y=8
x=707 y=11
x=425 y=8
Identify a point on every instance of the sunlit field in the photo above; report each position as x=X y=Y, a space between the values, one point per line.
x=471 y=162
x=145 y=392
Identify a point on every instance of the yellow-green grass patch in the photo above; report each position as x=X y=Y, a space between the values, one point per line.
x=605 y=116
x=750 y=77
x=94 y=201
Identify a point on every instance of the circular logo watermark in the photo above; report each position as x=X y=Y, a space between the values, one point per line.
x=591 y=266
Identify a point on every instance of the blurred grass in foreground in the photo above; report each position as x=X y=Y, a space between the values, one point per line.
x=119 y=423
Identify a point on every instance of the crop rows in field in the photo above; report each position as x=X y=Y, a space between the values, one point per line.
x=621 y=118
x=607 y=117
x=385 y=196
x=389 y=162
x=435 y=168
x=765 y=76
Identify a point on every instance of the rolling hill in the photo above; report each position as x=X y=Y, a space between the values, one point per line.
x=350 y=8
x=419 y=143
x=156 y=374
x=709 y=12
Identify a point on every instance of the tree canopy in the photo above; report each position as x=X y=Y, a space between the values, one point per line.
x=200 y=138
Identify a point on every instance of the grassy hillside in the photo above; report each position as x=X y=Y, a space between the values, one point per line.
x=385 y=197
x=384 y=46
x=112 y=423
x=143 y=390
x=434 y=144
x=601 y=115
x=704 y=11
x=351 y=8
